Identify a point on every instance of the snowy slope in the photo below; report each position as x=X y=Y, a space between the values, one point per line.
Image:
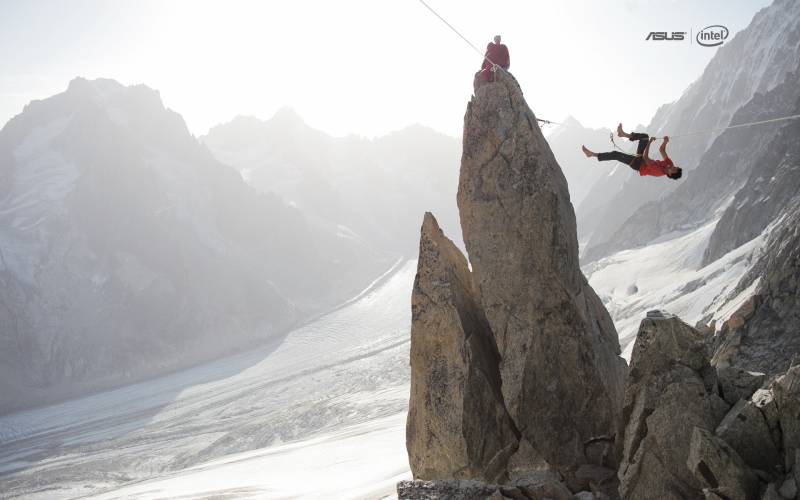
x=668 y=275
x=331 y=398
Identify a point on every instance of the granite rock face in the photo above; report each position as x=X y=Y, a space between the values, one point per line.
x=458 y=426
x=736 y=383
x=518 y=390
x=787 y=399
x=515 y=363
x=745 y=428
x=719 y=468
x=671 y=390
x=683 y=440
x=763 y=334
x=562 y=378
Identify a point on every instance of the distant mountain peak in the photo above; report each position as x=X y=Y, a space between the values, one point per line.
x=246 y=119
x=80 y=83
x=287 y=114
x=108 y=87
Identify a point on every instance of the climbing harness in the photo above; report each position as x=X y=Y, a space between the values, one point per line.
x=611 y=136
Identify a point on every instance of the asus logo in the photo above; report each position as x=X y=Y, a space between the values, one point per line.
x=662 y=35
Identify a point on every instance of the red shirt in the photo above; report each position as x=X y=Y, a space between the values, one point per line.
x=656 y=168
x=498 y=53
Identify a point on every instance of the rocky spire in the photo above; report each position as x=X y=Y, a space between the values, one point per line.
x=562 y=376
x=458 y=426
x=518 y=356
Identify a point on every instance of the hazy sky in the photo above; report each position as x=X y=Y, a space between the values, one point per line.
x=360 y=66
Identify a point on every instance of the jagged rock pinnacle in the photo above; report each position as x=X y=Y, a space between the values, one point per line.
x=562 y=377
x=457 y=424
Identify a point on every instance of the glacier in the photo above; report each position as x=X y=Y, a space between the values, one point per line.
x=320 y=414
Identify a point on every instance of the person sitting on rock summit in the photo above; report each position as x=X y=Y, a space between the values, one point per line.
x=641 y=162
x=496 y=55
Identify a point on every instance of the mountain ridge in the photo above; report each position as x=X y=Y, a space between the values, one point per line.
x=129 y=250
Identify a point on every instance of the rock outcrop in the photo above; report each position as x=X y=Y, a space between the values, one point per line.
x=518 y=390
x=515 y=365
x=671 y=390
x=763 y=334
x=535 y=486
x=746 y=429
x=561 y=373
x=787 y=399
x=719 y=468
x=683 y=440
x=458 y=426
x=737 y=383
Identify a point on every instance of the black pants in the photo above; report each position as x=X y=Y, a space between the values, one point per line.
x=633 y=161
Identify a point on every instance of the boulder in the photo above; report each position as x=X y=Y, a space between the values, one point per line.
x=536 y=486
x=787 y=398
x=563 y=379
x=796 y=468
x=595 y=478
x=771 y=493
x=788 y=488
x=719 y=468
x=447 y=489
x=745 y=429
x=764 y=400
x=737 y=383
x=671 y=389
x=458 y=426
x=524 y=460
x=540 y=486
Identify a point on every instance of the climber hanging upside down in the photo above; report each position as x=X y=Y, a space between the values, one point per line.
x=641 y=162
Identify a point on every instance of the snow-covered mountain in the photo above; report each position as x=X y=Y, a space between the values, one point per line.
x=372 y=189
x=754 y=61
x=724 y=169
x=320 y=414
x=692 y=246
x=694 y=251
x=128 y=250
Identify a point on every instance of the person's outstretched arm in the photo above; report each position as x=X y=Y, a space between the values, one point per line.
x=663 y=148
x=646 y=154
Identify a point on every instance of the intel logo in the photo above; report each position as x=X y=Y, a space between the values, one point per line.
x=711 y=36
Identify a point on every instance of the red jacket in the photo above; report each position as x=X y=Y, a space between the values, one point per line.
x=498 y=54
x=656 y=168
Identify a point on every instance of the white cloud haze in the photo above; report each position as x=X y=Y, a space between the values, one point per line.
x=359 y=66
